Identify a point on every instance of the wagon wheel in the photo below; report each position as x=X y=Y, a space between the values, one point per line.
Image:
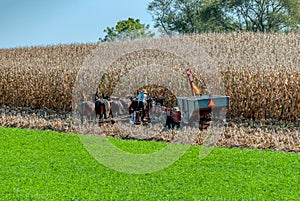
x=205 y=118
x=209 y=116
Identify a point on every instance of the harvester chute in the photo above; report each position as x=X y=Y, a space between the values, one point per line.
x=194 y=88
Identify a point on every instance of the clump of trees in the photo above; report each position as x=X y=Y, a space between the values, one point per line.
x=197 y=16
x=129 y=29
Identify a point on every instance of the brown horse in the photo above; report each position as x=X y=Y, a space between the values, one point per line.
x=86 y=109
x=103 y=110
x=119 y=106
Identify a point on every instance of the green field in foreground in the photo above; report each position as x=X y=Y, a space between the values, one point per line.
x=44 y=165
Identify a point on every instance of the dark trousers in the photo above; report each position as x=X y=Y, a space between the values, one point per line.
x=141 y=105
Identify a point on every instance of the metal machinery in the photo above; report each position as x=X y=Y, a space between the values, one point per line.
x=199 y=110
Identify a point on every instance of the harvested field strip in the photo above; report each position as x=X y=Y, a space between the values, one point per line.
x=273 y=135
x=38 y=165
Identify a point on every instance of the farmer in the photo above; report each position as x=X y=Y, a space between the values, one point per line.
x=142 y=101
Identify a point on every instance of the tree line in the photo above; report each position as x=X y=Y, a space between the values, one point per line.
x=173 y=17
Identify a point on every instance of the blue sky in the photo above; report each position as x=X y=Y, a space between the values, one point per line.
x=50 y=22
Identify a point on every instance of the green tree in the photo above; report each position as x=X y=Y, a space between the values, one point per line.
x=197 y=16
x=265 y=15
x=189 y=16
x=127 y=30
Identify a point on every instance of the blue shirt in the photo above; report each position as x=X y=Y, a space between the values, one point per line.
x=142 y=97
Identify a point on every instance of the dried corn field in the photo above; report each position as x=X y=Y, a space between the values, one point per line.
x=260 y=73
x=40 y=77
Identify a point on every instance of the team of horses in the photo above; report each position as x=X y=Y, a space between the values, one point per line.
x=105 y=109
x=98 y=109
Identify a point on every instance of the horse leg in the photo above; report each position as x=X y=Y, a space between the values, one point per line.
x=144 y=110
x=101 y=113
x=81 y=119
x=99 y=120
x=107 y=110
x=99 y=117
x=112 y=121
x=90 y=118
x=93 y=117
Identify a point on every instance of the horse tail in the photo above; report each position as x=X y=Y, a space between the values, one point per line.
x=98 y=107
x=101 y=109
x=108 y=108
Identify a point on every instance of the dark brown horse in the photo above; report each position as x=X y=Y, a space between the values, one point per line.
x=103 y=110
x=141 y=111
